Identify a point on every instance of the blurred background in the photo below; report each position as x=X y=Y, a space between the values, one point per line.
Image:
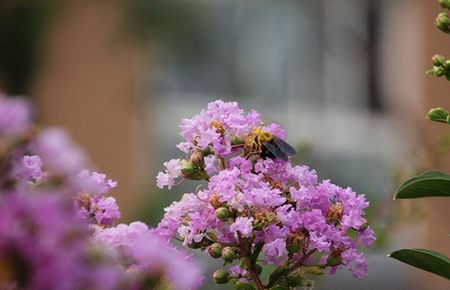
x=345 y=78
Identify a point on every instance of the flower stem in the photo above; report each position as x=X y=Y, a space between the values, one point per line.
x=300 y=262
x=245 y=248
x=255 y=275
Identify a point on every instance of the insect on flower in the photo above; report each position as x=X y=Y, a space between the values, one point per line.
x=268 y=145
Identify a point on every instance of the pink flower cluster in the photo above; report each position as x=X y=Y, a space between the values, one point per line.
x=256 y=204
x=58 y=222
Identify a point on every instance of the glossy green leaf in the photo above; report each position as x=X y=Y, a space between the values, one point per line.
x=276 y=276
x=426 y=260
x=428 y=184
x=439 y=115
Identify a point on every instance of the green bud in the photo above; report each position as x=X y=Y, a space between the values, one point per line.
x=187 y=167
x=438 y=71
x=315 y=270
x=191 y=172
x=235 y=140
x=438 y=60
x=215 y=250
x=228 y=254
x=294 y=280
x=443 y=22
x=222 y=213
x=439 y=115
x=207 y=151
x=221 y=276
x=445 y=3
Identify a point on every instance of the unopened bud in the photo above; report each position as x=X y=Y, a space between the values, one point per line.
x=236 y=140
x=438 y=60
x=438 y=71
x=221 y=276
x=228 y=254
x=439 y=115
x=207 y=151
x=187 y=167
x=315 y=270
x=222 y=213
x=215 y=250
x=197 y=159
x=443 y=22
x=445 y=3
x=191 y=172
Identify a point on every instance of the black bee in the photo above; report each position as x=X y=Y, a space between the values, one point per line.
x=268 y=145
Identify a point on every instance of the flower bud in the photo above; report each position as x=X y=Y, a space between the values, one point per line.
x=236 y=140
x=187 y=167
x=197 y=159
x=222 y=213
x=221 y=276
x=315 y=270
x=444 y=3
x=439 y=115
x=228 y=254
x=443 y=22
x=191 y=172
x=438 y=60
x=207 y=151
x=294 y=280
x=438 y=71
x=215 y=250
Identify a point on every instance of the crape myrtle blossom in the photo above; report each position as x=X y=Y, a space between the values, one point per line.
x=253 y=203
x=15 y=115
x=143 y=249
x=57 y=219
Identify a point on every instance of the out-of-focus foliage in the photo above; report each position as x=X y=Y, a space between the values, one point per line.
x=22 y=24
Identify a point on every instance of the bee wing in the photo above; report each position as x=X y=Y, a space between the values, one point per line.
x=276 y=151
x=284 y=147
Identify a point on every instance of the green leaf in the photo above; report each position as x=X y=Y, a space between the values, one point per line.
x=428 y=184
x=276 y=275
x=244 y=286
x=279 y=287
x=427 y=260
x=439 y=115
